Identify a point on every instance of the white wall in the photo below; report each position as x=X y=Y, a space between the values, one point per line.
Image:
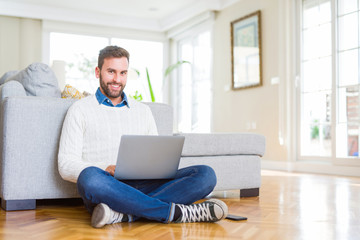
x=20 y=43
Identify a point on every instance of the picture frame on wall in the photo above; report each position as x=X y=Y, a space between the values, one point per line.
x=246 y=51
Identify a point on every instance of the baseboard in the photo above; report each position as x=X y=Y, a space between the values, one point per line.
x=311 y=167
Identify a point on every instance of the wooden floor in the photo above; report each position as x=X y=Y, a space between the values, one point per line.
x=290 y=206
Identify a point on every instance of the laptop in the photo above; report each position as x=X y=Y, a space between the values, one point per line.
x=143 y=157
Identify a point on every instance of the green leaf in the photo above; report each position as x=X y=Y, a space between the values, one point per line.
x=174 y=66
x=137 y=71
x=137 y=96
x=150 y=87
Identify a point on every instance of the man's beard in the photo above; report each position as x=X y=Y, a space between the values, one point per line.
x=108 y=92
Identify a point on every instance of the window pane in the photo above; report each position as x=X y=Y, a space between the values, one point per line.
x=316 y=127
x=316 y=108
x=347 y=140
x=347 y=131
x=348 y=103
x=317 y=42
x=310 y=13
x=79 y=53
x=316 y=12
x=348 y=68
x=184 y=94
x=310 y=43
x=316 y=140
x=346 y=6
x=194 y=87
x=324 y=40
x=316 y=75
x=348 y=31
x=325 y=11
x=202 y=86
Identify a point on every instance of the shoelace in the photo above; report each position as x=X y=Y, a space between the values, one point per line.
x=116 y=217
x=196 y=212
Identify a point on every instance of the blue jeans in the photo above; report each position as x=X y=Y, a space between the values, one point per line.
x=151 y=199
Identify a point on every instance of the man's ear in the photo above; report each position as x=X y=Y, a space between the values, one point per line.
x=97 y=72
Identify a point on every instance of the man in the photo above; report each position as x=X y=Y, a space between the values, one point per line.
x=89 y=143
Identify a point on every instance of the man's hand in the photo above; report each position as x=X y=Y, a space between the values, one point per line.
x=111 y=169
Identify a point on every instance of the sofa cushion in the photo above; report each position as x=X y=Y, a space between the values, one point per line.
x=216 y=144
x=7 y=75
x=38 y=80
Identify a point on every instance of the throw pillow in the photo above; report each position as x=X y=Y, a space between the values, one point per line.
x=71 y=92
x=38 y=79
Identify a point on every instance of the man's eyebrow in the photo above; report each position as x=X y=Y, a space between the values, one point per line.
x=112 y=69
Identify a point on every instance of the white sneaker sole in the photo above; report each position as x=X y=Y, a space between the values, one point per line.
x=222 y=205
x=100 y=215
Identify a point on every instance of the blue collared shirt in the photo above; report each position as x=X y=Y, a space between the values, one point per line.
x=102 y=99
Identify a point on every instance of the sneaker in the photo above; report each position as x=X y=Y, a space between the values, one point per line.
x=212 y=210
x=103 y=215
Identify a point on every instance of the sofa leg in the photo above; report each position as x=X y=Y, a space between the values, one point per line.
x=251 y=192
x=12 y=205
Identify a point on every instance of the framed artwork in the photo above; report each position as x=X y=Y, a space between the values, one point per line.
x=246 y=51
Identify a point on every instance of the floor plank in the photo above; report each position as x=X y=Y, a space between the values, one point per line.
x=290 y=206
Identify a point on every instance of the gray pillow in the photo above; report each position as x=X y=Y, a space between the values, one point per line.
x=7 y=75
x=38 y=79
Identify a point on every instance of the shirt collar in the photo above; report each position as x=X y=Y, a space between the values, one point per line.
x=102 y=99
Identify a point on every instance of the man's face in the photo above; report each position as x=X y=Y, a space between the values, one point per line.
x=113 y=76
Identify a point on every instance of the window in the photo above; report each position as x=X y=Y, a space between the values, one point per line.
x=193 y=92
x=144 y=54
x=79 y=54
x=330 y=80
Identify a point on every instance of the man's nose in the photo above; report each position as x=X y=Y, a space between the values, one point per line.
x=117 y=78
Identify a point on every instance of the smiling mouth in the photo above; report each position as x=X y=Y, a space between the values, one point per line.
x=115 y=86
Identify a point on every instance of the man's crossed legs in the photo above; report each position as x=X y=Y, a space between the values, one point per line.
x=110 y=200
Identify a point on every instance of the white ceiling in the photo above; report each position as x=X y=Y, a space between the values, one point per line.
x=153 y=15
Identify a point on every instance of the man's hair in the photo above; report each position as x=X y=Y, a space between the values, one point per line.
x=112 y=52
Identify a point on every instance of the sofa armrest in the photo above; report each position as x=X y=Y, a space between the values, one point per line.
x=216 y=144
x=29 y=137
x=11 y=89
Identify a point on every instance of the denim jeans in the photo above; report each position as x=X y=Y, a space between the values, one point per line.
x=151 y=199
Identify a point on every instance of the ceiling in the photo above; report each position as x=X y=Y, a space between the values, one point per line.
x=152 y=15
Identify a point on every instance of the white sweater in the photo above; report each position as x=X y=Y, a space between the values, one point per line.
x=92 y=132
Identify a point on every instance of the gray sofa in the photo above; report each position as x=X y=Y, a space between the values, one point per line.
x=30 y=128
